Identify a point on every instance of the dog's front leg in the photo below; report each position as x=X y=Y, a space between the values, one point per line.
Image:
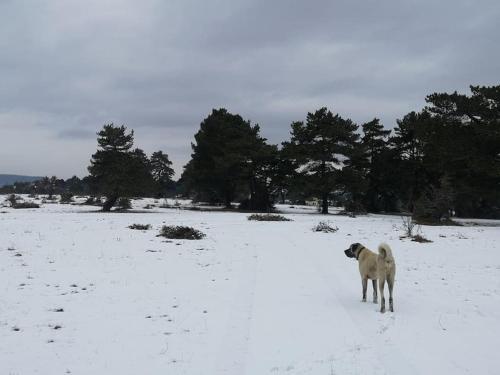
x=375 y=296
x=365 y=287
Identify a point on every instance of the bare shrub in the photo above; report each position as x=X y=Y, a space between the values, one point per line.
x=325 y=227
x=408 y=226
x=412 y=230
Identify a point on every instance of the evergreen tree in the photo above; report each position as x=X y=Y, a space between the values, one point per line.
x=435 y=204
x=48 y=186
x=354 y=179
x=226 y=158
x=74 y=185
x=260 y=171
x=320 y=147
x=283 y=174
x=115 y=169
x=375 y=144
x=161 y=169
x=410 y=142
x=470 y=148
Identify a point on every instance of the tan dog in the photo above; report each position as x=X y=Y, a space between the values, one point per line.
x=375 y=267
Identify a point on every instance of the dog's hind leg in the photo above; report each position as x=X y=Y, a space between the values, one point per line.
x=390 y=283
x=381 y=283
x=374 y=284
x=365 y=287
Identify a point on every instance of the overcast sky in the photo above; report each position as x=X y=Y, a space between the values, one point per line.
x=159 y=67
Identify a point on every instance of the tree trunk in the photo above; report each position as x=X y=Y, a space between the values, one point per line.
x=109 y=203
x=324 y=196
x=252 y=202
x=324 y=204
x=227 y=201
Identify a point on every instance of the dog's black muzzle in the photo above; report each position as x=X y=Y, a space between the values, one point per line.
x=349 y=253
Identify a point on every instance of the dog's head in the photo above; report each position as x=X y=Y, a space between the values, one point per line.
x=353 y=250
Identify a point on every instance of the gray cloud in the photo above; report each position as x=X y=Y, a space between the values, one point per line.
x=68 y=67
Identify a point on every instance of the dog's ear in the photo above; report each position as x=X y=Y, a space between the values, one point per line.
x=355 y=246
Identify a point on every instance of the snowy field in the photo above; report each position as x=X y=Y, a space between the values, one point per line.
x=81 y=293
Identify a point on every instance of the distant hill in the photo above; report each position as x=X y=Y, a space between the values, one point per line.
x=8 y=179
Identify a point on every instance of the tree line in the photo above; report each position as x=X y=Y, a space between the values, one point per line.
x=442 y=160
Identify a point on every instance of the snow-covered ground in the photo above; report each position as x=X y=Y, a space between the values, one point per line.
x=81 y=293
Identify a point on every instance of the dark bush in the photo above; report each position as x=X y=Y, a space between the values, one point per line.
x=12 y=199
x=66 y=197
x=181 y=233
x=140 y=226
x=25 y=205
x=355 y=208
x=420 y=238
x=124 y=203
x=17 y=202
x=268 y=217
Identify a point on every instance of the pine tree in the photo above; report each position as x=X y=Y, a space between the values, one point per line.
x=115 y=169
x=410 y=143
x=260 y=173
x=320 y=148
x=226 y=159
x=375 y=143
x=161 y=169
x=469 y=148
x=283 y=174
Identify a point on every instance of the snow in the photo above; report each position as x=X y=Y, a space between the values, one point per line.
x=250 y=298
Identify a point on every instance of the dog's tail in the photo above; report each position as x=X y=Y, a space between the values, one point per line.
x=385 y=252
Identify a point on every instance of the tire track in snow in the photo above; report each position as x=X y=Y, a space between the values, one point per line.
x=233 y=348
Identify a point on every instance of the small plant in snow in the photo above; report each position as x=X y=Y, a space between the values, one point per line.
x=408 y=226
x=324 y=226
x=140 y=226
x=412 y=230
x=268 y=217
x=181 y=233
